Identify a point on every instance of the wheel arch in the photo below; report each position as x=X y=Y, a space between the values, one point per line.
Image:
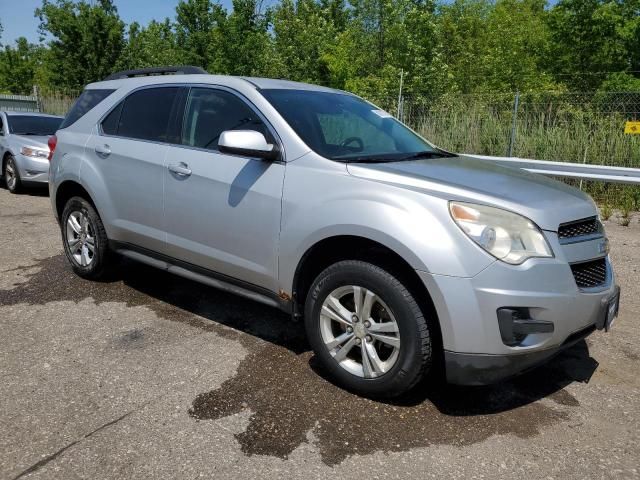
x=5 y=157
x=68 y=189
x=352 y=247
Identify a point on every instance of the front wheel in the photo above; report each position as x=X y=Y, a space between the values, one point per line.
x=367 y=330
x=12 y=175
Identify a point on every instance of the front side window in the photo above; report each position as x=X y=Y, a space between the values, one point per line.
x=210 y=112
x=346 y=128
x=143 y=115
x=33 y=125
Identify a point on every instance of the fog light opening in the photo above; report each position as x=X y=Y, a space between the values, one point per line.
x=516 y=324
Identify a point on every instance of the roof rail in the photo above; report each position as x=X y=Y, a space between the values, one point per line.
x=145 y=72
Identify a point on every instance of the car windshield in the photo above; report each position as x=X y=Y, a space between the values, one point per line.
x=33 y=125
x=346 y=128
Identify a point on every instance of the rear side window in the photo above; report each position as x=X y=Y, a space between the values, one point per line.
x=144 y=115
x=87 y=100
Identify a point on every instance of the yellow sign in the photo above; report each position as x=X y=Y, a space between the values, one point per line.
x=632 y=127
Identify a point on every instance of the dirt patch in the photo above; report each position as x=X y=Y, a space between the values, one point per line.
x=288 y=397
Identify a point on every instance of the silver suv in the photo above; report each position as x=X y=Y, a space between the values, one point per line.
x=403 y=259
x=23 y=148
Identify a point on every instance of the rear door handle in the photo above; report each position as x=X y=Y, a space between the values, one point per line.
x=103 y=150
x=181 y=169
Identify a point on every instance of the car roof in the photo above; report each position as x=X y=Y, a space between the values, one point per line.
x=10 y=113
x=223 y=80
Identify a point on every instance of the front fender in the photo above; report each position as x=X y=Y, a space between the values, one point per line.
x=321 y=200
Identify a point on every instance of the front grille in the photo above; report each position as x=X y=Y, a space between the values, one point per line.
x=579 y=228
x=590 y=274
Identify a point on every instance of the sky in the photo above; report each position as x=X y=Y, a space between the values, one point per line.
x=17 y=17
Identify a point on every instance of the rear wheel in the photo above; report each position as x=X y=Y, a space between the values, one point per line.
x=85 y=240
x=12 y=175
x=367 y=329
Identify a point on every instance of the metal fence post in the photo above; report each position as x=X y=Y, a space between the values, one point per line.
x=512 y=138
x=399 y=106
x=36 y=95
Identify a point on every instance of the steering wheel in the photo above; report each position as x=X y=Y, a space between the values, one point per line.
x=357 y=140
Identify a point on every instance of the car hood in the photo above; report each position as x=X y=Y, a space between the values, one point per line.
x=546 y=201
x=31 y=140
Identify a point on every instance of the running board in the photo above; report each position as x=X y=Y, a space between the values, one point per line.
x=209 y=279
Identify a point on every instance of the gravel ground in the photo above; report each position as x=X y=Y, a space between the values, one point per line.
x=146 y=375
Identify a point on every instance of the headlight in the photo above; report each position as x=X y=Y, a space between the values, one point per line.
x=34 y=152
x=507 y=236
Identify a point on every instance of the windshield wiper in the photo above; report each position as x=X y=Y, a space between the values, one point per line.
x=395 y=158
x=39 y=134
x=426 y=154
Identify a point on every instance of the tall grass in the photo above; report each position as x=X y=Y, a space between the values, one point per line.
x=56 y=102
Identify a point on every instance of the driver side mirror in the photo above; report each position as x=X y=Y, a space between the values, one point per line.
x=248 y=143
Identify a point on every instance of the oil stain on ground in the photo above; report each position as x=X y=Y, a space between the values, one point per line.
x=285 y=391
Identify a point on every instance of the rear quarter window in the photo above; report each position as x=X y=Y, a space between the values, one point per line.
x=87 y=100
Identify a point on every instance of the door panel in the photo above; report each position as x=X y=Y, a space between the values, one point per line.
x=133 y=172
x=225 y=215
x=222 y=212
x=129 y=153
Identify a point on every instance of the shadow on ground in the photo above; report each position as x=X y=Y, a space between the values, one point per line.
x=285 y=391
x=31 y=190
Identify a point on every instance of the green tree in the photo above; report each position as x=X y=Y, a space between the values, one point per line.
x=198 y=32
x=593 y=38
x=517 y=46
x=499 y=46
x=303 y=31
x=462 y=28
x=620 y=82
x=151 y=46
x=382 y=39
x=86 y=41
x=18 y=66
x=244 y=43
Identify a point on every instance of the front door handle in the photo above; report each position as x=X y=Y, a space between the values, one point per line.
x=181 y=169
x=103 y=150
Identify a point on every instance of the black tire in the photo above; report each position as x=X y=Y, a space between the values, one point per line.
x=15 y=186
x=415 y=352
x=100 y=258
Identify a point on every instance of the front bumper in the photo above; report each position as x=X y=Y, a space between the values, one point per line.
x=33 y=171
x=479 y=369
x=467 y=308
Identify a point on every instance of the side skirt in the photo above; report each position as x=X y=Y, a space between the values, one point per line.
x=202 y=275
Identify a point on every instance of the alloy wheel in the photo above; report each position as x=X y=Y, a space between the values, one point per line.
x=360 y=331
x=80 y=238
x=10 y=175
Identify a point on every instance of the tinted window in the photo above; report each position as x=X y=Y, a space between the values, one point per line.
x=145 y=114
x=345 y=127
x=87 y=100
x=110 y=124
x=210 y=112
x=33 y=125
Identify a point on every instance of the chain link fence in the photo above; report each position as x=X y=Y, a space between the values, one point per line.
x=566 y=127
